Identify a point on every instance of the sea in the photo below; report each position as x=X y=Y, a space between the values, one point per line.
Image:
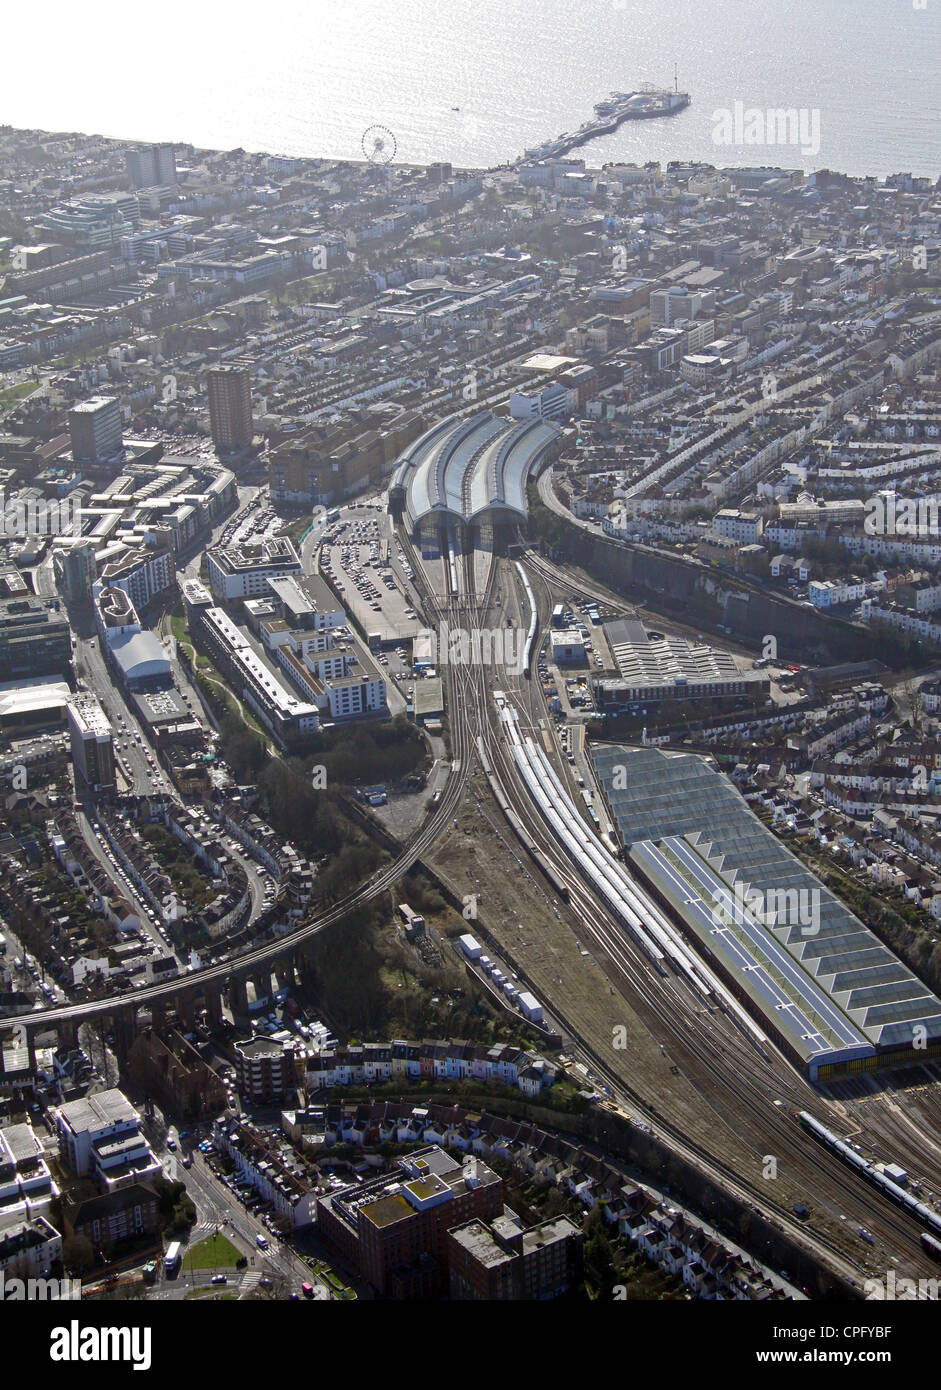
x=476 y=82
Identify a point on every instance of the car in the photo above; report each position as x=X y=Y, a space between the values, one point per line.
x=171 y=1144
x=262 y=1242
x=219 y=1279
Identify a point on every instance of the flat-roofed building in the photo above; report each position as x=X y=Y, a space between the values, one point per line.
x=142 y=572
x=288 y=717
x=230 y=408
x=264 y=1070
x=151 y=166
x=26 y=1184
x=101 y=1137
x=75 y=571
x=243 y=571
x=26 y=709
x=307 y=602
x=92 y=742
x=95 y=430
x=505 y=1261
x=395 y=1228
x=342 y=685
x=567 y=646
x=34 y=638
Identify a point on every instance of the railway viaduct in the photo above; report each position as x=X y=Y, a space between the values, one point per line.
x=185 y=996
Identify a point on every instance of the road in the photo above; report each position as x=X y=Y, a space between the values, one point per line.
x=217 y=1207
x=102 y=852
x=145 y=778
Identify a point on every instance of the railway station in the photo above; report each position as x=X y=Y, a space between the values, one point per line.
x=468 y=478
x=836 y=999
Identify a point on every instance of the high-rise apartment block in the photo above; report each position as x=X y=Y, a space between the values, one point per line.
x=230 y=408
x=95 y=430
x=92 y=742
x=75 y=571
x=151 y=166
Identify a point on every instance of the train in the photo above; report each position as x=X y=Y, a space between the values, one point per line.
x=452 y=564
x=533 y=620
x=931 y=1245
x=557 y=883
x=630 y=904
x=919 y=1210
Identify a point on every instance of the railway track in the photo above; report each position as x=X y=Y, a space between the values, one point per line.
x=735 y=1079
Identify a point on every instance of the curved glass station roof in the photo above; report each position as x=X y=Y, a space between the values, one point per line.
x=461 y=468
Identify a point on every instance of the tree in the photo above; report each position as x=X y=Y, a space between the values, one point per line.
x=554 y=1203
x=599 y=1256
x=77 y=1253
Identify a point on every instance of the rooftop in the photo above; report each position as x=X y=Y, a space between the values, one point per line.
x=467 y=467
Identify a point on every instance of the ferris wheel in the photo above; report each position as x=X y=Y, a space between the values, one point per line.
x=379 y=144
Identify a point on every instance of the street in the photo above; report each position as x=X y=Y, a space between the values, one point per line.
x=216 y=1207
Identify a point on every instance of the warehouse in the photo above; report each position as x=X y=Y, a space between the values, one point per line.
x=567 y=647
x=827 y=990
x=654 y=668
x=39 y=704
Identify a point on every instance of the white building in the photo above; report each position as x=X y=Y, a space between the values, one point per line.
x=243 y=571
x=100 y=1136
x=567 y=646
x=26 y=1185
x=280 y=710
x=551 y=403
x=744 y=527
x=28 y=1250
x=827 y=593
x=141 y=572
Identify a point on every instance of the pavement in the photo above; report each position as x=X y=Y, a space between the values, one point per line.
x=218 y=1208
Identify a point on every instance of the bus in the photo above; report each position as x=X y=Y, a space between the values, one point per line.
x=171 y=1260
x=333 y=514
